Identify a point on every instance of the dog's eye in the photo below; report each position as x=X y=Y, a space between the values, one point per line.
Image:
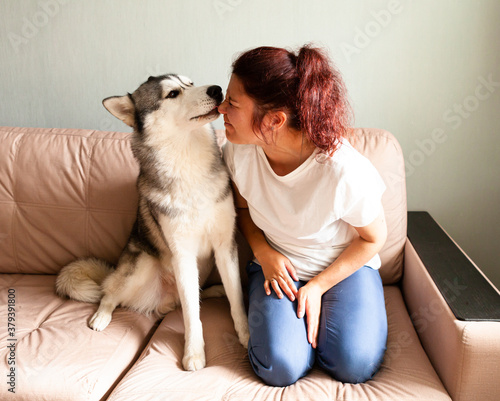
x=173 y=94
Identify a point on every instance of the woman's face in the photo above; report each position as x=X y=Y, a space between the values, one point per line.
x=237 y=110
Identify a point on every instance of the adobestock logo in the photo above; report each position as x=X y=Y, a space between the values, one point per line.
x=453 y=116
x=364 y=37
x=459 y=112
x=31 y=26
x=224 y=6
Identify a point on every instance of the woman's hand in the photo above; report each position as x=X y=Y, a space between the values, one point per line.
x=309 y=303
x=278 y=272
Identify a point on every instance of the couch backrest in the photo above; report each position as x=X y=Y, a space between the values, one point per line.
x=385 y=153
x=69 y=193
x=64 y=193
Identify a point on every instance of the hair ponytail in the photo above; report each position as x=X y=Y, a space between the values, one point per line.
x=304 y=85
x=322 y=106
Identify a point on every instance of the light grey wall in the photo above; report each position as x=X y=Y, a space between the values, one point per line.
x=428 y=71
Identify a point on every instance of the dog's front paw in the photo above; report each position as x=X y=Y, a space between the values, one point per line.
x=193 y=362
x=100 y=321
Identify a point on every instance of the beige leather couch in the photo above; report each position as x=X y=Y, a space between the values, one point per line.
x=67 y=193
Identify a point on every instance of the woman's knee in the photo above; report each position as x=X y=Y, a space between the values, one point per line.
x=353 y=366
x=353 y=333
x=277 y=367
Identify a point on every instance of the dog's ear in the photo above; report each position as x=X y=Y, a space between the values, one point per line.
x=121 y=107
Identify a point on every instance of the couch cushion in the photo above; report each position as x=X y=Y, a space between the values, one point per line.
x=406 y=373
x=57 y=356
x=64 y=194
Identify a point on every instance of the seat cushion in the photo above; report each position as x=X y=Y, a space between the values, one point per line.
x=406 y=373
x=57 y=356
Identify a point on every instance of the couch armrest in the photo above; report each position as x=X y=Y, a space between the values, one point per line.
x=452 y=271
x=454 y=309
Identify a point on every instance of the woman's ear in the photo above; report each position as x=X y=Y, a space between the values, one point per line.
x=271 y=124
x=278 y=119
x=274 y=120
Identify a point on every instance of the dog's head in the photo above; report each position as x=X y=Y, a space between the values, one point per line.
x=167 y=99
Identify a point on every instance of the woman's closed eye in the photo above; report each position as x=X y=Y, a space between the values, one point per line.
x=229 y=101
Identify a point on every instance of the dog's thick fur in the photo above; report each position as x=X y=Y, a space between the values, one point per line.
x=185 y=215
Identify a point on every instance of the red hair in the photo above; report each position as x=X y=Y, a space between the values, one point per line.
x=306 y=86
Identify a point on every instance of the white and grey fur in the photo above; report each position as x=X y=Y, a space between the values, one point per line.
x=185 y=216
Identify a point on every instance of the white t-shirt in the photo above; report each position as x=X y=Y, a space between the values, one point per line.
x=307 y=214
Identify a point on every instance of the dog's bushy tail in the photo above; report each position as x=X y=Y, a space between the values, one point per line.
x=81 y=280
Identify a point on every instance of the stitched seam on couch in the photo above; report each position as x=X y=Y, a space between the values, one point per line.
x=87 y=200
x=106 y=366
x=15 y=211
x=88 y=134
x=71 y=208
x=463 y=343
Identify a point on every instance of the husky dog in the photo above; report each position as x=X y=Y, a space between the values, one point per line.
x=185 y=216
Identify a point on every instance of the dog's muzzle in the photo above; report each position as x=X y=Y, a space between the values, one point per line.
x=215 y=92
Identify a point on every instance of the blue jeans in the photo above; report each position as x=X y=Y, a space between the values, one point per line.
x=351 y=339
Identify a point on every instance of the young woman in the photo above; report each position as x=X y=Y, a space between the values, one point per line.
x=310 y=207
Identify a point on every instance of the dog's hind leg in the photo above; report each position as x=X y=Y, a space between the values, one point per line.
x=168 y=303
x=102 y=317
x=214 y=291
x=136 y=284
x=112 y=289
x=116 y=289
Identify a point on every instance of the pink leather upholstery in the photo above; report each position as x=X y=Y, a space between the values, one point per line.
x=71 y=193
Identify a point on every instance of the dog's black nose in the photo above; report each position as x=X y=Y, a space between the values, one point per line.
x=215 y=92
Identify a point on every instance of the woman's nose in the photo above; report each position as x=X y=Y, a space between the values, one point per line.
x=222 y=107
